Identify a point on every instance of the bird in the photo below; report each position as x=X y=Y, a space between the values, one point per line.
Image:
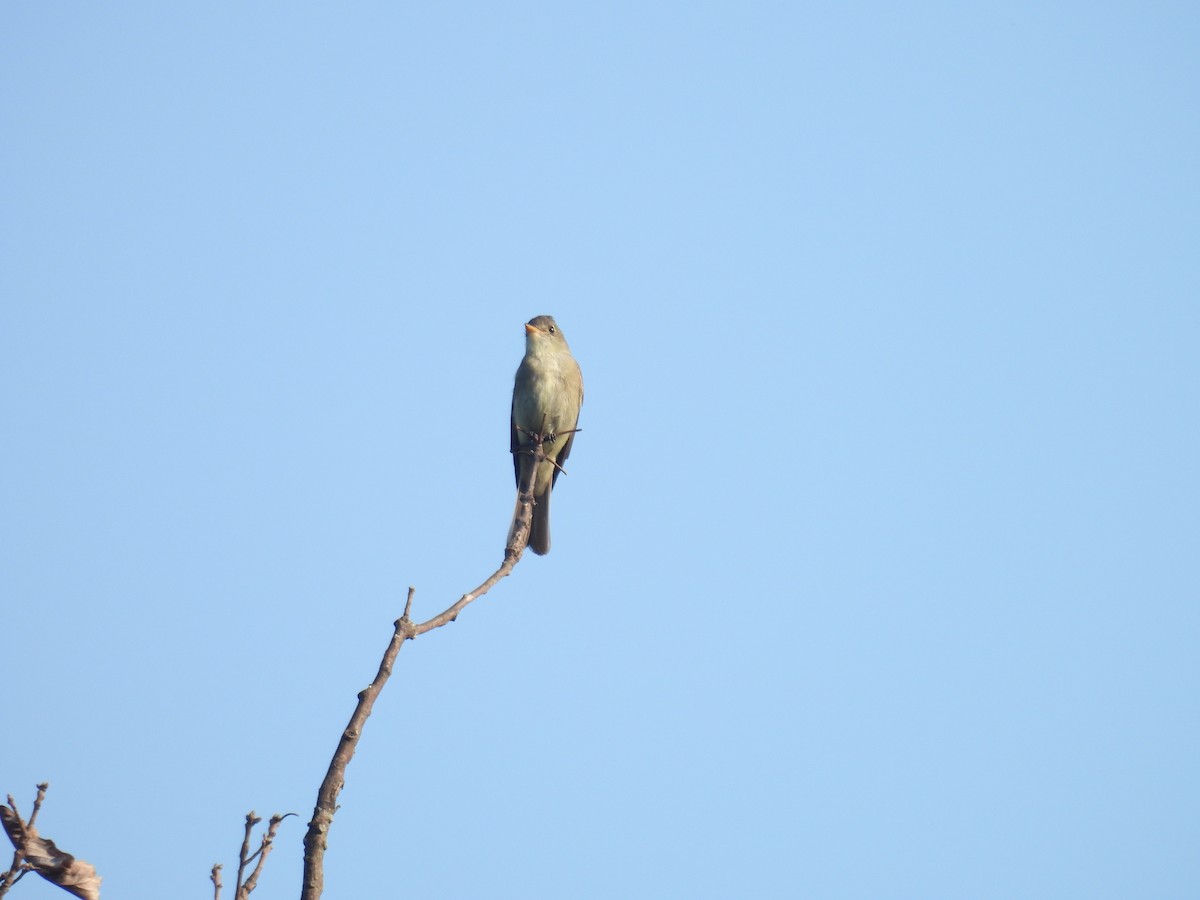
x=547 y=396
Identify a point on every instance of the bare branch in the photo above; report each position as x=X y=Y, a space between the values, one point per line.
x=243 y=857
x=38 y=854
x=15 y=873
x=18 y=868
x=316 y=840
x=246 y=885
x=335 y=777
x=37 y=803
x=264 y=849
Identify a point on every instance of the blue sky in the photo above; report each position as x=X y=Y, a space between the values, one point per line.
x=874 y=573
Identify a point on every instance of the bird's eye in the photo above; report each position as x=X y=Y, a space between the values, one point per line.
x=552 y=329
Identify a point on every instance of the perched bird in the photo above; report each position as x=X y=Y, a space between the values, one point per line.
x=547 y=396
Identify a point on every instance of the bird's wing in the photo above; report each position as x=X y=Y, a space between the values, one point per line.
x=562 y=457
x=514 y=443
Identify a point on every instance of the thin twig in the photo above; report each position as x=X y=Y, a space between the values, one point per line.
x=315 y=840
x=264 y=849
x=14 y=874
x=37 y=803
x=34 y=853
x=246 y=885
x=17 y=870
x=243 y=857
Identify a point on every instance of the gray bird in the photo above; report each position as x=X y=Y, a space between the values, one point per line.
x=547 y=396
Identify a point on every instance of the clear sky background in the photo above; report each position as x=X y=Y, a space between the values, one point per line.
x=875 y=570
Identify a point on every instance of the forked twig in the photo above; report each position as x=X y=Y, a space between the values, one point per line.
x=34 y=853
x=315 y=840
x=245 y=886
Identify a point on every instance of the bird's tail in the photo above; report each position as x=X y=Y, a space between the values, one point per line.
x=539 y=527
x=539 y=531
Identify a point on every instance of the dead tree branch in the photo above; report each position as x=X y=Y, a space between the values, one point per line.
x=315 y=841
x=38 y=854
x=244 y=885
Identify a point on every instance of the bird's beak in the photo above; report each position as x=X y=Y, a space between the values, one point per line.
x=530 y=329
